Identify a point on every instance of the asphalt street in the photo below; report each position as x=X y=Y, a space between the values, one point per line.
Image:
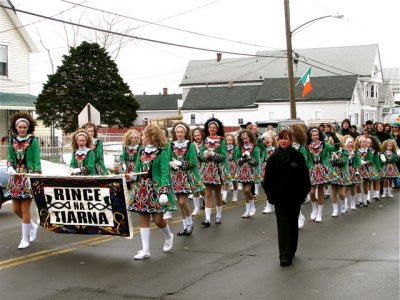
x=354 y=256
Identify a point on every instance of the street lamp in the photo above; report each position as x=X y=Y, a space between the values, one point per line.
x=289 y=33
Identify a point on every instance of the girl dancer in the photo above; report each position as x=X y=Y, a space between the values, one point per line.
x=247 y=157
x=320 y=168
x=361 y=146
x=97 y=147
x=198 y=137
x=375 y=169
x=23 y=157
x=130 y=150
x=270 y=146
x=216 y=168
x=185 y=178
x=230 y=151
x=354 y=164
x=151 y=193
x=339 y=161
x=390 y=156
x=83 y=159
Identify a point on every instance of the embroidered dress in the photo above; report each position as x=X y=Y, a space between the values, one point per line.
x=216 y=169
x=24 y=157
x=247 y=169
x=339 y=163
x=354 y=164
x=128 y=156
x=83 y=159
x=366 y=159
x=268 y=151
x=100 y=168
x=148 y=187
x=184 y=179
x=320 y=169
x=230 y=151
x=375 y=167
x=390 y=169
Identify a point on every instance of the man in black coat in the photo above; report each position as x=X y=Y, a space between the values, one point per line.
x=286 y=183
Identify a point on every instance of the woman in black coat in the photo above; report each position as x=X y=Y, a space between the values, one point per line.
x=286 y=183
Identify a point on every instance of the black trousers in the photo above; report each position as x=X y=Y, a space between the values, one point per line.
x=288 y=231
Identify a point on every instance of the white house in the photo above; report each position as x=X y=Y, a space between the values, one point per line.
x=15 y=48
x=346 y=84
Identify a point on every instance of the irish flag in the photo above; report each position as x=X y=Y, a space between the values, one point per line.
x=305 y=79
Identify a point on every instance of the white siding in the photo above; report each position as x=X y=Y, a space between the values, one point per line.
x=18 y=79
x=153 y=114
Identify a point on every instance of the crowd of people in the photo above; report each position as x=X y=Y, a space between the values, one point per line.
x=164 y=170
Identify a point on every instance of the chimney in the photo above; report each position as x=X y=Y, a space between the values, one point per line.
x=219 y=56
x=165 y=91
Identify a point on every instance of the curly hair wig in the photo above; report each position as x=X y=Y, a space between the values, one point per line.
x=90 y=125
x=220 y=127
x=155 y=136
x=181 y=124
x=249 y=133
x=74 y=138
x=28 y=117
x=127 y=136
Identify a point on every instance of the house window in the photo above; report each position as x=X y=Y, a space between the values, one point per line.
x=317 y=114
x=372 y=91
x=271 y=115
x=240 y=121
x=3 y=60
x=192 y=119
x=145 y=121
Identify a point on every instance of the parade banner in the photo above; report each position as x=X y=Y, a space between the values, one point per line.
x=82 y=204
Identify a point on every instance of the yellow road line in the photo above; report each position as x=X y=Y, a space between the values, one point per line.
x=13 y=262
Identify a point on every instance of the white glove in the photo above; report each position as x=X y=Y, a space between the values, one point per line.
x=205 y=153
x=123 y=167
x=11 y=171
x=398 y=152
x=382 y=157
x=246 y=154
x=363 y=162
x=211 y=153
x=175 y=163
x=131 y=176
x=163 y=199
x=75 y=171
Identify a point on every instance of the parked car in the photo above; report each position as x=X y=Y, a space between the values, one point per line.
x=277 y=125
x=3 y=181
x=317 y=122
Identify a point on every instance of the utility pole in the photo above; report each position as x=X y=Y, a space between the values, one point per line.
x=292 y=94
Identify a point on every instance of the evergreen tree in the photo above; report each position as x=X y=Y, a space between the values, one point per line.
x=87 y=74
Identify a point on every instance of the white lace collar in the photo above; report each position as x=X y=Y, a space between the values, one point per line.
x=150 y=149
x=180 y=144
x=19 y=138
x=81 y=151
x=248 y=146
x=133 y=147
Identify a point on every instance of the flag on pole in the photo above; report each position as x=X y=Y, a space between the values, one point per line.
x=305 y=79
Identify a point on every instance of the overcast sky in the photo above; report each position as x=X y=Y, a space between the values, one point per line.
x=251 y=26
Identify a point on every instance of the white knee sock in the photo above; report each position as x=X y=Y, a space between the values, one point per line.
x=196 y=203
x=189 y=220
x=145 y=236
x=207 y=211
x=224 y=195
x=235 y=195
x=166 y=231
x=219 y=211
x=185 y=223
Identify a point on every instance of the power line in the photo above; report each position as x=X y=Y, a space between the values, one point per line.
x=26 y=25
x=169 y=27
x=137 y=37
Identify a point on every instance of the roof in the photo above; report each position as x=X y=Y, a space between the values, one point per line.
x=17 y=101
x=392 y=75
x=324 y=88
x=346 y=60
x=158 y=102
x=21 y=29
x=216 y=98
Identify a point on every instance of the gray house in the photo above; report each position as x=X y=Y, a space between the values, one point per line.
x=347 y=83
